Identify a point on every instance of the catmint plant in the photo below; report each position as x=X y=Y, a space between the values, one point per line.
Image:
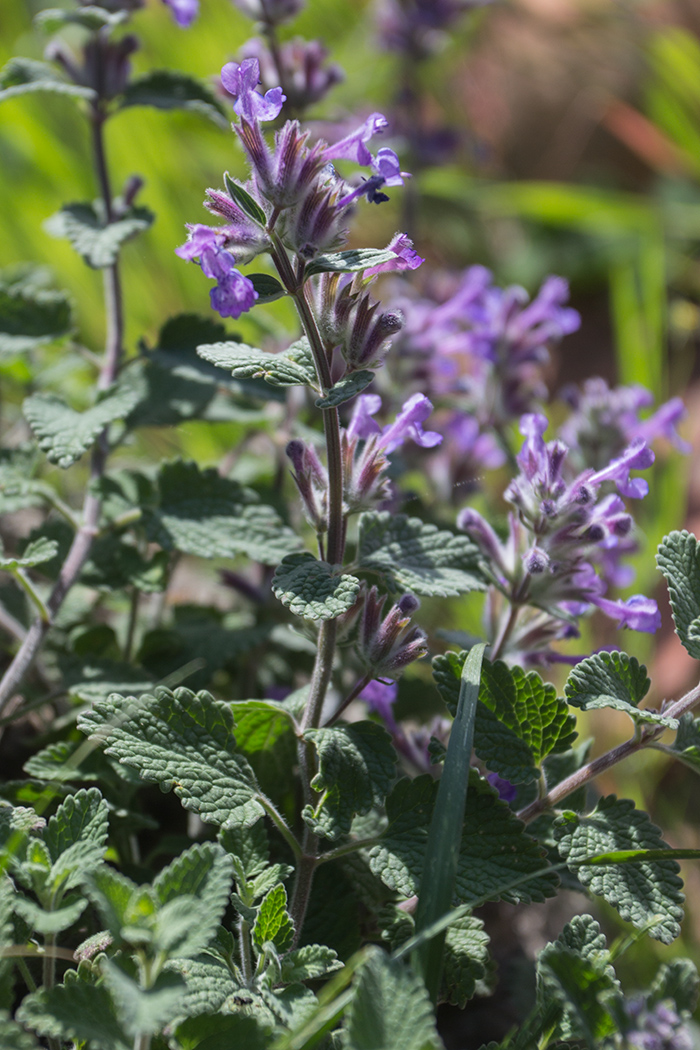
x=314 y=867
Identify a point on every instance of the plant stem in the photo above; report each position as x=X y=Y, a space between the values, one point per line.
x=245 y=950
x=20 y=577
x=83 y=539
x=354 y=692
x=281 y=824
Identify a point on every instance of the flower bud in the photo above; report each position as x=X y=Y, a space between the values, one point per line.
x=387 y=646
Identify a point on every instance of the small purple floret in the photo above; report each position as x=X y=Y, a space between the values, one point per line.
x=354 y=145
x=184 y=11
x=241 y=81
x=234 y=294
x=407 y=258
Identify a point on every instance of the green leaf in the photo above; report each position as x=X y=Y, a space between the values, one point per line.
x=314 y=589
x=678 y=558
x=268 y=288
x=183 y=741
x=613 y=680
x=21 y=75
x=686 y=746
x=169 y=89
x=114 y=895
x=141 y=1011
x=249 y=846
x=12 y=1037
x=201 y=513
x=76 y=837
x=202 y=875
x=224 y=1031
x=356 y=768
x=43 y=921
x=519 y=719
x=677 y=980
x=97 y=241
x=578 y=985
x=244 y=200
x=75 y=1010
x=494 y=849
x=209 y=984
x=351 y=261
x=347 y=388
x=18 y=489
x=644 y=893
x=390 y=1009
x=291 y=367
x=114 y=564
x=273 y=923
x=36 y=553
x=437 y=885
x=416 y=557
x=265 y=734
x=309 y=963
x=91 y=18
x=466 y=960
x=64 y=434
x=30 y=317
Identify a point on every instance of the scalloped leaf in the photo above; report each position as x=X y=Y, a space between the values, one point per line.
x=64 y=434
x=75 y=1010
x=678 y=558
x=344 y=390
x=291 y=367
x=22 y=75
x=203 y=873
x=495 y=849
x=36 y=553
x=356 y=768
x=170 y=89
x=614 y=680
x=351 y=261
x=12 y=1037
x=30 y=317
x=182 y=741
x=201 y=513
x=645 y=893
x=76 y=838
x=414 y=556
x=97 y=241
x=273 y=923
x=466 y=960
x=314 y=589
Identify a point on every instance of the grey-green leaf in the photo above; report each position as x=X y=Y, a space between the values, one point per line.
x=183 y=742
x=201 y=513
x=414 y=556
x=76 y=837
x=30 y=317
x=36 y=553
x=314 y=589
x=291 y=367
x=345 y=389
x=356 y=768
x=390 y=1009
x=21 y=75
x=678 y=558
x=351 y=261
x=644 y=892
x=170 y=89
x=466 y=963
x=13 y=1037
x=92 y=18
x=75 y=1010
x=614 y=680
x=97 y=241
x=201 y=874
x=268 y=288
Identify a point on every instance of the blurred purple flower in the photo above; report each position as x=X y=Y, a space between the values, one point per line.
x=270 y=11
x=354 y=145
x=241 y=82
x=184 y=11
x=659 y=1027
x=300 y=65
x=506 y=791
x=380 y=697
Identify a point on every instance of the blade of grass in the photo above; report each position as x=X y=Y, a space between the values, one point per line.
x=442 y=850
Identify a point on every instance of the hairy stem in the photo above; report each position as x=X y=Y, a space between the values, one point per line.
x=245 y=951
x=83 y=539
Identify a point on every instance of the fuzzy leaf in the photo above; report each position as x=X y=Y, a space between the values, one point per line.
x=36 y=553
x=291 y=367
x=143 y=1012
x=249 y=846
x=345 y=389
x=46 y=922
x=76 y=837
x=92 y=18
x=677 y=980
x=678 y=558
x=21 y=75
x=390 y=1009
x=273 y=923
x=209 y=983
x=643 y=891
x=519 y=719
x=494 y=851
x=578 y=985
x=356 y=768
x=12 y=1037
x=64 y=434
x=182 y=741
x=114 y=564
x=169 y=89
x=309 y=963
x=314 y=589
x=18 y=489
x=97 y=241
x=613 y=680
x=268 y=288
x=417 y=557
x=201 y=513
x=351 y=261
x=245 y=202
x=686 y=746
x=466 y=961
x=30 y=317
x=202 y=874
x=75 y=1010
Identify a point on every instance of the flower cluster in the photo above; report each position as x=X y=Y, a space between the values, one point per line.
x=565 y=536
x=417 y=27
x=299 y=67
x=657 y=1028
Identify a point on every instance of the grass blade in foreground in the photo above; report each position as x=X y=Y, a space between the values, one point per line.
x=442 y=851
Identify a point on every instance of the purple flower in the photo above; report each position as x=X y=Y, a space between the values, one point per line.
x=184 y=11
x=638 y=613
x=506 y=791
x=408 y=425
x=298 y=64
x=234 y=294
x=241 y=81
x=657 y=1027
x=386 y=646
x=354 y=145
x=407 y=258
x=380 y=697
